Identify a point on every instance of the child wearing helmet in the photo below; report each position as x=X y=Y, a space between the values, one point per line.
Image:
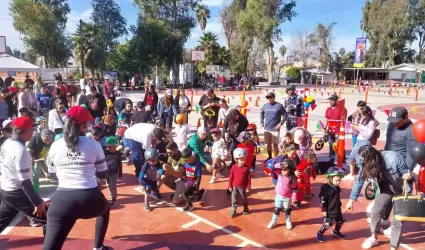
x=249 y=147
x=192 y=179
x=285 y=186
x=307 y=167
x=239 y=180
x=114 y=163
x=330 y=203
x=218 y=153
x=181 y=131
x=150 y=176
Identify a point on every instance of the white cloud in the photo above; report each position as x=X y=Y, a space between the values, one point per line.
x=214 y=26
x=74 y=19
x=216 y=3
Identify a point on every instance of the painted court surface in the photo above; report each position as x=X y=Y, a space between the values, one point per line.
x=167 y=227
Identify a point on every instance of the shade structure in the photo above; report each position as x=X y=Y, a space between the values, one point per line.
x=10 y=63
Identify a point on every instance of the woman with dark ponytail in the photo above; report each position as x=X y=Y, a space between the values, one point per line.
x=77 y=161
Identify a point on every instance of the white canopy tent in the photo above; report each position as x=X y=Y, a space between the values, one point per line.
x=10 y=63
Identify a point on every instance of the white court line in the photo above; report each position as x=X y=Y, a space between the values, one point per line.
x=243 y=244
x=187 y=225
x=18 y=218
x=196 y=217
x=369 y=211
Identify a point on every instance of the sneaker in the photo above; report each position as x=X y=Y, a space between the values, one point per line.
x=349 y=177
x=297 y=204
x=288 y=223
x=338 y=234
x=271 y=224
x=320 y=237
x=147 y=208
x=212 y=180
x=35 y=223
x=112 y=202
x=387 y=232
x=369 y=243
x=245 y=211
x=233 y=213
x=188 y=208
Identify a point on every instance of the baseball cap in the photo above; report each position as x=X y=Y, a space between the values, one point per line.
x=270 y=94
x=169 y=92
x=79 y=115
x=6 y=122
x=139 y=104
x=158 y=133
x=397 y=114
x=333 y=97
x=23 y=123
x=186 y=153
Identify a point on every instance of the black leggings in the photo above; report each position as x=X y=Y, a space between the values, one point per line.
x=67 y=207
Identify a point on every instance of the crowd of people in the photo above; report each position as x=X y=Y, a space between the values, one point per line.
x=83 y=137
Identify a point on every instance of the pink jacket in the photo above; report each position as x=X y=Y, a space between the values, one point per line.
x=285 y=184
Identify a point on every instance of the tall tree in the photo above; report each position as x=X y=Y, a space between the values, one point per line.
x=110 y=23
x=302 y=49
x=43 y=23
x=282 y=51
x=202 y=15
x=9 y=51
x=416 y=12
x=262 y=20
x=177 y=18
x=321 y=38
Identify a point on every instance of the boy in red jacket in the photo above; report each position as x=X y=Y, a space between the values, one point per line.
x=308 y=170
x=239 y=180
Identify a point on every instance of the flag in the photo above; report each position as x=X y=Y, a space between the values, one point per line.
x=322 y=125
x=313 y=106
x=347 y=127
x=318 y=127
x=258 y=98
x=198 y=108
x=250 y=98
x=387 y=111
x=415 y=109
x=282 y=92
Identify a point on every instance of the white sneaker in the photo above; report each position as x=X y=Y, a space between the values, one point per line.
x=349 y=177
x=288 y=223
x=212 y=180
x=369 y=243
x=271 y=224
x=387 y=232
x=369 y=220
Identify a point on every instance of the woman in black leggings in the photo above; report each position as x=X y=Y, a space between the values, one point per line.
x=77 y=161
x=233 y=125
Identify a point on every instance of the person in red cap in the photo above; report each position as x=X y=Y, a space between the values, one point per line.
x=77 y=160
x=17 y=191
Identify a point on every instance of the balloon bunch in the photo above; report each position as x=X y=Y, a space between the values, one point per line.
x=308 y=98
x=417 y=152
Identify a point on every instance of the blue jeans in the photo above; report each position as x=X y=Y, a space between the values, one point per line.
x=354 y=152
x=282 y=202
x=137 y=154
x=354 y=139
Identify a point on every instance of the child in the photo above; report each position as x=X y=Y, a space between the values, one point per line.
x=288 y=140
x=239 y=180
x=148 y=176
x=41 y=121
x=307 y=167
x=290 y=153
x=285 y=186
x=255 y=139
x=330 y=203
x=114 y=163
x=218 y=153
x=182 y=131
x=97 y=135
x=109 y=125
x=122 y=121
x=246 y=144
x=192 y=179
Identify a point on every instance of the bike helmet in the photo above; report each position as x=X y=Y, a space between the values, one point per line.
x=40 y=119
x=243 y=136
x=290 y=87
x=112 y=141
x=58 y=136
x=121 y=117
x=150 y=153
x=239 y=153
x=251 y=127
x=335 y=171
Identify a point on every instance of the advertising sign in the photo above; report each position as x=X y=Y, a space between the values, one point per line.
x=360 y=53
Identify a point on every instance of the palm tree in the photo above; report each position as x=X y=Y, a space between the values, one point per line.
x=282 y=51
x=322 y=38
x=91 y=47
x=202 y=14
x=208 y=43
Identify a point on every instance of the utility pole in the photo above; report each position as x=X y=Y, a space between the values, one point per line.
x=81 y=48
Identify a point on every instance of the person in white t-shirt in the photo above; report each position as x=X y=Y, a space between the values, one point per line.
x=181 y=132
x=77 y=161
x=139 y=137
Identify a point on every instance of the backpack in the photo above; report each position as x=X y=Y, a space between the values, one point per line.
x=375 y=136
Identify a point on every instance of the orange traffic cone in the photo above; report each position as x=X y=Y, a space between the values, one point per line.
x=220 y=125
x=256 y=102
x=199 y=123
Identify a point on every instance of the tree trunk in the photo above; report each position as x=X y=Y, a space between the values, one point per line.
x=270 y=63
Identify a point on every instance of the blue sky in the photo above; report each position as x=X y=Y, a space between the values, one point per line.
x=346 y=13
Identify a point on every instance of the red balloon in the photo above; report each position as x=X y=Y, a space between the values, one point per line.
x=418 y=130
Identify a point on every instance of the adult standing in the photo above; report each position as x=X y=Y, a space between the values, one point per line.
x=62 y=89
x=197 y=144
x=17 y=190
x=29 y=82
x=166 y=110
x=183 y=104
x=140 y=115
x=273 y=116
x=27 y=99
x=353 y=117
x=387 y=169
x=174 y=172
x=138 y=138
x=108 y=87
x=96 y=103
x=210 y=101
x=77 y=160
x=399 y=135
x=150 y=101
x=333 y=116
x=6 y=106
x=223 y=112
x=233 y=125
x=294 y=100
x=57 y=117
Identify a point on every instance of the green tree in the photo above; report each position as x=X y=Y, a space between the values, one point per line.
x=282 y=51
x=202 y=15
x=262 y=20
x=9 y=51
x=110 y=23
x=342 y=60
x=43 y=24
x=293 y=72
x=321 y=38
x=416 y=10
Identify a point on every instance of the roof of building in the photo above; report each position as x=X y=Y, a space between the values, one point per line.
x=417 y=66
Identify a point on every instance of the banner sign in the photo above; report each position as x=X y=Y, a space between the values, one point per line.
x=360 y=53
x=11 y=73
